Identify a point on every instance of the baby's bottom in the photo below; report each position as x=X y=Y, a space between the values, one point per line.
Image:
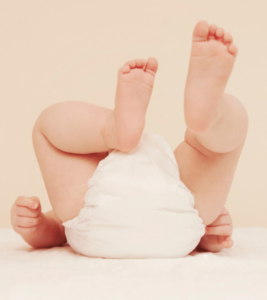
x=137 y=207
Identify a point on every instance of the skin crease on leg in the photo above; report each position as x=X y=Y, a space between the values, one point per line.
x=70 y=138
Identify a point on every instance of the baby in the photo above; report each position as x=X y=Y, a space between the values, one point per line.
x=71 y=139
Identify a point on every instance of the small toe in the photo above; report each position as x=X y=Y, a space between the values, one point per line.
x=219 y=34
x=136 y=63
x=201 y=31
x=140 y=63
x=124 y=69
x=131 y=63
x=151 y=66
x=228 y=39
x=212 y=31
x=233 y=49
x=143 y=63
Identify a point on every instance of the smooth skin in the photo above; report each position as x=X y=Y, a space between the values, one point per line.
x=71 y=138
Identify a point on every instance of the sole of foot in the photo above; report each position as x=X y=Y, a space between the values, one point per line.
x=125 y=125
x=212 y=59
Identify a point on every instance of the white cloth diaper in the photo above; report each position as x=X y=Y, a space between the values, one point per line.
x=137 y=207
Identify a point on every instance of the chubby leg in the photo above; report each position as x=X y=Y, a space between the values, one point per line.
x=71 y=138
x=216 y=122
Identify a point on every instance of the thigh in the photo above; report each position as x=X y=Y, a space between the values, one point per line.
x=208 y=175
x=74 y=126
x=65 y=175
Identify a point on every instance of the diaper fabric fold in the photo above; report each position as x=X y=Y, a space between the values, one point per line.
x=136 y=206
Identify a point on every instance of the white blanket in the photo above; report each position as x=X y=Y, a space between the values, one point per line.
x=59 y=273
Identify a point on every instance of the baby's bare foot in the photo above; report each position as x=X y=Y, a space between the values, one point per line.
x=125 y=125
x=212 y=60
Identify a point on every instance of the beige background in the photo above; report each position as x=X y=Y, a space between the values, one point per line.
x=54 y=51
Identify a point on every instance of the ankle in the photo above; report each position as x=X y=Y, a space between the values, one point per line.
x=200 y=125
x=115 y=139
x=109 y=132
